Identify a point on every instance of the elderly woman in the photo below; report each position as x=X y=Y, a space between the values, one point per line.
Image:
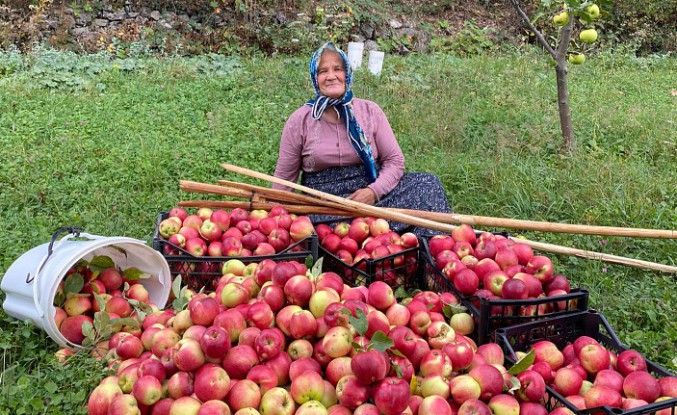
x=345 y=145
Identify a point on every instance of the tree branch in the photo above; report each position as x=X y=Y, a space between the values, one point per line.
x=539 y=35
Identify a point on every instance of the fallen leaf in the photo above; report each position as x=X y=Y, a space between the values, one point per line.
x=673 y=92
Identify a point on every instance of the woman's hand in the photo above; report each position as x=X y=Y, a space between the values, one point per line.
x=365 y=195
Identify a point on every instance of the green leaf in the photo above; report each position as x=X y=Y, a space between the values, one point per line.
x=73 y=284
x=51 y=387
x=317 y=268
x=309 y=261
x=100 y=302
x=101 y=262
x=134 y=274
x=523 y=364
x=176 y=286
x=88 y=330
x=398 y=370
x=127 y=321
x=360 y=322
x=514 y=384
x=381 y=342
x=447 y=311
x=400 y=293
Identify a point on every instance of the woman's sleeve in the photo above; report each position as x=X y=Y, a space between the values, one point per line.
x=389 y=155
x=289 y=158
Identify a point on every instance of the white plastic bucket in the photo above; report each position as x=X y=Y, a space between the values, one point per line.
x=31 y=282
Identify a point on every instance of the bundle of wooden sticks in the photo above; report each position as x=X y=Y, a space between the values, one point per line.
x=310 y=201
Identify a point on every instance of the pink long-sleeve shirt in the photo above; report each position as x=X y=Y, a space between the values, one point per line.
x=314 y=145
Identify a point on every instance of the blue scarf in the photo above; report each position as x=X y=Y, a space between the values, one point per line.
x=344 y=108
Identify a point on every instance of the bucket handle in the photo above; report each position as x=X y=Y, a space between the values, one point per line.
x=73 y=232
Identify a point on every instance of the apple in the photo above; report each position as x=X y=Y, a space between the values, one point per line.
x=71 y=328
x=391 y=396
x=297 y=367
x=602 y=396
x=277 y=401
x=79 y=304
x=437 y=405
x=514 y=289
x=541 y=267
x=506 y=257
x=303 y=325
x=269 y=343
x=609 y=378
x=350 y=392
x=463 y=388
x=594 y=358
x=568 y=381
x=101 y=398
x=298 y=290
x=489 y=378
x=504 y=404
x=668 y=386
x=239 y=360
x=369 y=366
x=280 y=364
x=547 y=351
x=641 y=385
x=244 y=393
x=532 y=386
x=147 y=390
x=466 y=281
x=588 y=35
x=576 y=58
x=307 y=386
x=561 y=19
x=629 y=361
x=300 y=228
x=264 y=376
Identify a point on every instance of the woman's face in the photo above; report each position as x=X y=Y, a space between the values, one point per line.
x=331 y=75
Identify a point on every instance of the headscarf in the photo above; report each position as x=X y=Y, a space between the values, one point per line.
x=344 y=108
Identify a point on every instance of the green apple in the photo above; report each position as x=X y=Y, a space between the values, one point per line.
x=561 y=19
x=588 y=35
x=576 y=58
x=593 y=11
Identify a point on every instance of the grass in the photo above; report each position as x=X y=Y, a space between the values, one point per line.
x=102 y=143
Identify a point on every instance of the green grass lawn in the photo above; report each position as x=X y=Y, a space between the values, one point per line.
x=102 y=144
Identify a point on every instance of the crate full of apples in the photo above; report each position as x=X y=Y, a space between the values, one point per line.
x=586 y=368
x=500 y=281
x=197 y=244
x=365 y=249
x=305 y=343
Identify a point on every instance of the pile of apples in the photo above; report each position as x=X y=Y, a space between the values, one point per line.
x=589 y=375
x=87 y=287
x=238 y=233
x=367 y=238
x=279 y=339
x=494 y=267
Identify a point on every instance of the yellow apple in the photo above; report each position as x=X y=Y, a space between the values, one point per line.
x=561 y=19
x=588 y=35
x=593 y=11
x=576 y=58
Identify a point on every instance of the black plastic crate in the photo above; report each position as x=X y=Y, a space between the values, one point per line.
x=199 y=272
x=563 y=330
x=387 y=269
x=392 y=269
x=494 y=314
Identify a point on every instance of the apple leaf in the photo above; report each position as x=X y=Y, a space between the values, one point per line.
x=88 y=330
x=100 y=301
x=101 y=262
x=360 y=322
x=73 y=284
x=381 y=342
x=317 y=268
x=447 y=311
x=176 y=286
x=127 y=321
x=134 y=274
x=398 y=370
x=400 y=293
x=413 y=384
x=514 y=384
x=397 y=353
x=309 y=261
x=523 y=364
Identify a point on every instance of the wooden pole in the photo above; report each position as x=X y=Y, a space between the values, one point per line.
x=473 y=220
x=368 y=210
x=544 y=247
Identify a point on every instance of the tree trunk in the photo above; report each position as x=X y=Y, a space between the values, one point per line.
x=563 y=103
